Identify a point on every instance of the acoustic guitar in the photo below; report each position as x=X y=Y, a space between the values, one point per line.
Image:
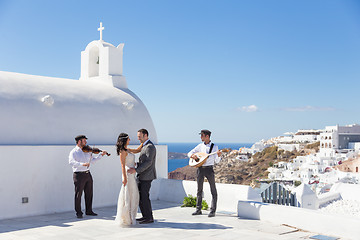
x=201 y=158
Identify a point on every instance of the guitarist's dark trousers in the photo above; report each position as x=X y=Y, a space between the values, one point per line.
x=208 y=172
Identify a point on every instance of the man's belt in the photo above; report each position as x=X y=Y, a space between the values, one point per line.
x=88 y=171
x=207 y=166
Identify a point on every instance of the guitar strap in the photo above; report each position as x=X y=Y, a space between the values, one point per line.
x=211 y=147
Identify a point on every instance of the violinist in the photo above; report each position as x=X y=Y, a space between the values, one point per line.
x=83 y=181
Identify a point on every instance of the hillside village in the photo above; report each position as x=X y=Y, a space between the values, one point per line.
x=317 y=159
x=334 y=157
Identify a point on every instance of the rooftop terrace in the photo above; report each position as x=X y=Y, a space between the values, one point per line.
x=170 y=221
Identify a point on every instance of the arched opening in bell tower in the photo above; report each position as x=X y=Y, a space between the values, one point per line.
x=94 y=62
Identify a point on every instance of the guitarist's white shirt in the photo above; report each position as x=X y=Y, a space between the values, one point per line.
x=205 y=148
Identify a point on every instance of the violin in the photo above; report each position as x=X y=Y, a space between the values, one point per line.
x=87 y=148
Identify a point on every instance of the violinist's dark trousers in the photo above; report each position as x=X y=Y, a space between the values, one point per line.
x=208 y=172
x=83 y=183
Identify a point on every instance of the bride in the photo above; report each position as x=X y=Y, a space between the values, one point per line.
x=128 y=201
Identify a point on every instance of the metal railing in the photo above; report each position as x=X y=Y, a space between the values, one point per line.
x=277 y=194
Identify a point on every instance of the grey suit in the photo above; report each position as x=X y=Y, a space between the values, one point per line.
x=146 y=168
x=146 y=173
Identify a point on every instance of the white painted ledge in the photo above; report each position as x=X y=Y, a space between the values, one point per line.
x=305 y=219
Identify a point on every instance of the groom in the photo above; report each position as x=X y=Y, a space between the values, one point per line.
x=146 y=173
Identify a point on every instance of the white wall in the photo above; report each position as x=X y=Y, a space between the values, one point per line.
x=305 y=138
x=171 y=190
x=289 y=147
x=306 y=219
x=43 y=174
x=347 y=191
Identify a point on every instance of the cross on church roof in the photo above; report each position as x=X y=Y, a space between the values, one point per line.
x=100 y=29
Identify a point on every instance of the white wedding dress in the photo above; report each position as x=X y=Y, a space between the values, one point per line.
x=128 y=201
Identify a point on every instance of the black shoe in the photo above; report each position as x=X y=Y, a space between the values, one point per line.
x=197 y=212
x=140 y=219
x=211 y=214
x=79 y=215
x=91 y=214
x=146 y=221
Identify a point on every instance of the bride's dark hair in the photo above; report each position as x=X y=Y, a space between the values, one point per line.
x=121 y=142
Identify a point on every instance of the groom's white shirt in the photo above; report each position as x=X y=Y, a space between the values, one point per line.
x=146 y=142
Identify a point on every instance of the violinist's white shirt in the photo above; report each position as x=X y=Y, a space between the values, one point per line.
x=77 y=158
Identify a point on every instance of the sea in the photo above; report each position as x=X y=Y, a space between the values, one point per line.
x=186 y=147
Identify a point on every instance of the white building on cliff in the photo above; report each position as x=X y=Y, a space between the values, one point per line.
x=339 y=139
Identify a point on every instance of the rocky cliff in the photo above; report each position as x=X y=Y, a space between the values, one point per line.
x=234 y=171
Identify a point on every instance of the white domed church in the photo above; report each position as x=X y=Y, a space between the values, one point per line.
x=40 y=116
x=46 y=110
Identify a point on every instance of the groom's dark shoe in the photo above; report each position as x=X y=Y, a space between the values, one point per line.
x=91 y=214
x=197 y=212
x=140 y=219
x=211 y=214
x=146 y=221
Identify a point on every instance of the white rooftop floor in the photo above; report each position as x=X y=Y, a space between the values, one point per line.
x=171 y=221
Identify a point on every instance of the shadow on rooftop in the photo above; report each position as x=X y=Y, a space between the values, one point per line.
x=184 y=225
x=66 y=219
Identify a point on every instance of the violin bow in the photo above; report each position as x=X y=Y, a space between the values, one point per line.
x=90 y=157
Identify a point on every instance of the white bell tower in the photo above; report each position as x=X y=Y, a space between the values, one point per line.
x=103 y=62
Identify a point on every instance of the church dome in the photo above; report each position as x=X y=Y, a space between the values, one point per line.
x=46 y=110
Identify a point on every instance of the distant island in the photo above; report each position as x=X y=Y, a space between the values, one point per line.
x=176 y=155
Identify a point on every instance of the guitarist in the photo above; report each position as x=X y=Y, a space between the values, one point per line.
x=206 y=170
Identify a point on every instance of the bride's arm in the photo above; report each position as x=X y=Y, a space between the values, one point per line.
x=137 y=150
x=122 y=160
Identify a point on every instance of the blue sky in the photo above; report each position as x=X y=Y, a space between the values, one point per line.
x=246 y=70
